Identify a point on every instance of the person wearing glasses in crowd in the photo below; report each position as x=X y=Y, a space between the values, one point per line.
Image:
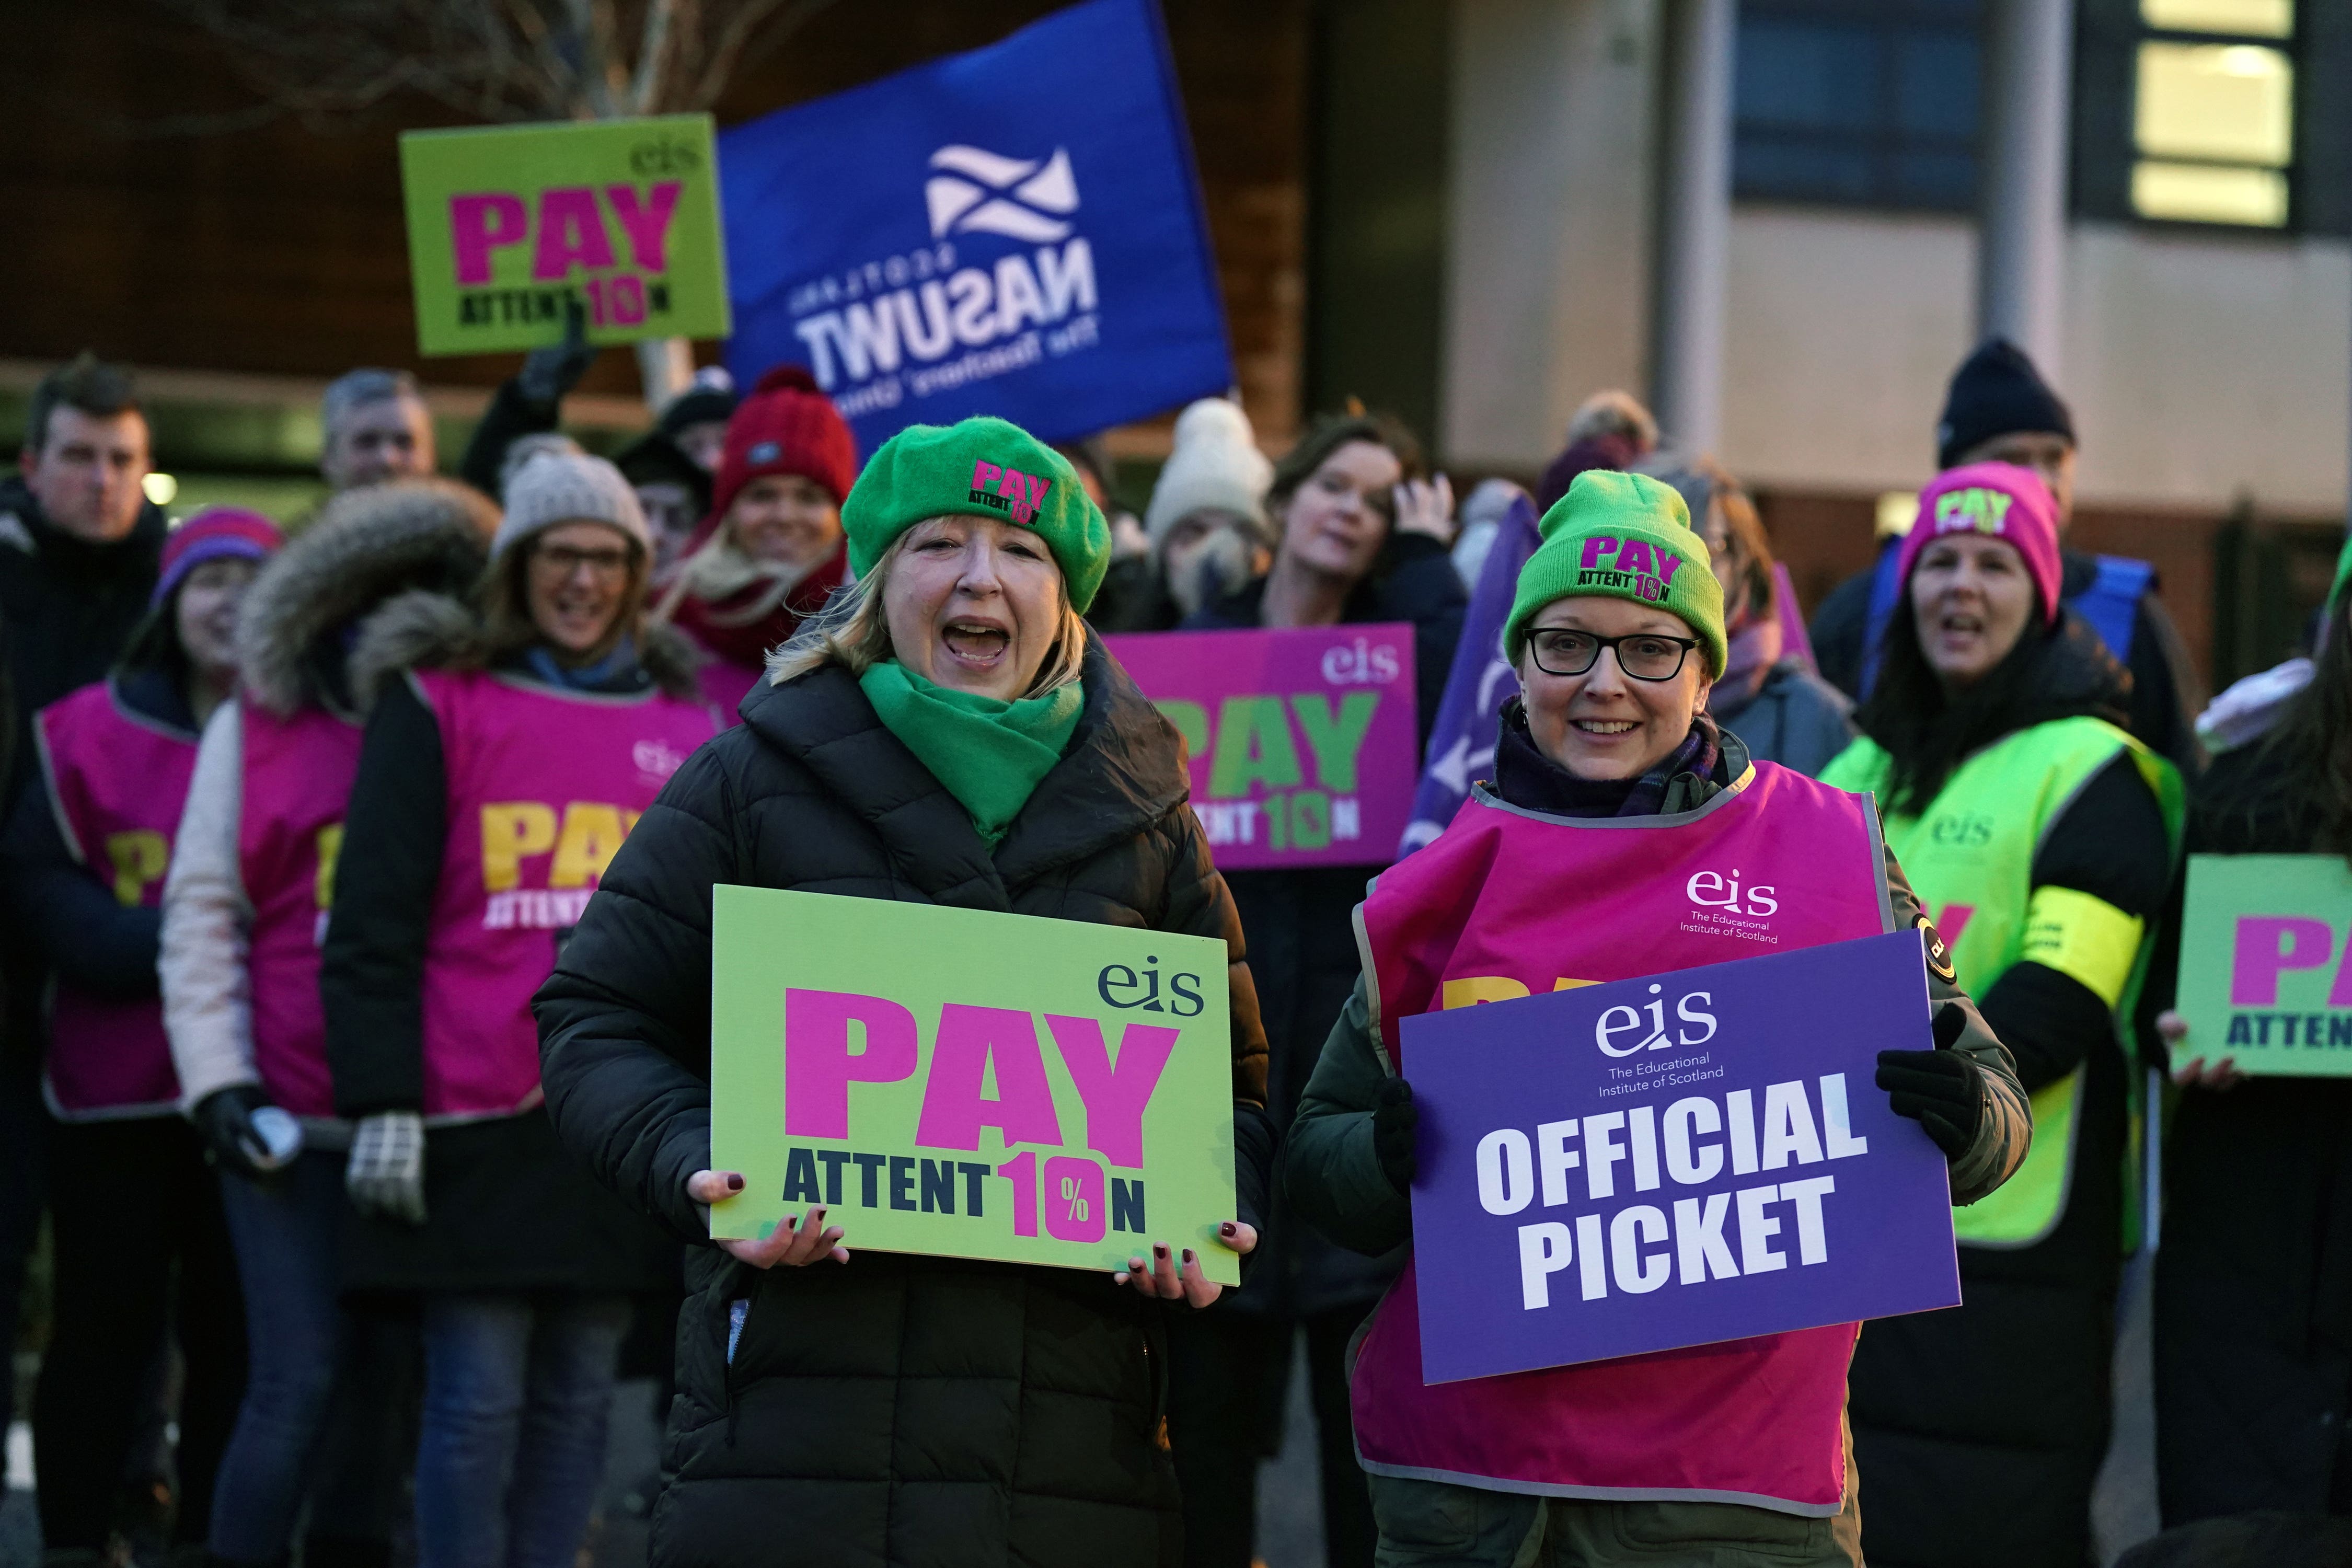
x=509 y=748
x=1738 y=1456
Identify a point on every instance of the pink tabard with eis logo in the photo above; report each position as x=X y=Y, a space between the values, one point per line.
x=543 y=785
x=1510 y=900
x=116 y=781
x=298 y=784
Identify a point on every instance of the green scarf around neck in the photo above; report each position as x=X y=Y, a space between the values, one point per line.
x=991 y=754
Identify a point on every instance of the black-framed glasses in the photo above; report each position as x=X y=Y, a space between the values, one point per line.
x=1644 y=655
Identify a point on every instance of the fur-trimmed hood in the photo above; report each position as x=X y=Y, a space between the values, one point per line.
x=367 y=546
x=422 y=629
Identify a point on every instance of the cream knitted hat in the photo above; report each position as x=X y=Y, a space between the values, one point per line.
x=1215 y=465
x=568 y=486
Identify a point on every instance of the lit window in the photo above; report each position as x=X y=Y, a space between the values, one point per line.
x=2213 y=125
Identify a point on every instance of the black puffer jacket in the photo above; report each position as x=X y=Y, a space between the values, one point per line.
x=2253 y=1283
x=896 y=1410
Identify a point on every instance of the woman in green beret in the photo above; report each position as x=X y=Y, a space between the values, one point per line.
x=948 y=732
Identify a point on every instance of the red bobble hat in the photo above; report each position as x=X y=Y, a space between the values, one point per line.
x=785 y=426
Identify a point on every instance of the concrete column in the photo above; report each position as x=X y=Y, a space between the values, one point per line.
x=1693 y=236
x=1550 y=176
x=2021 y=205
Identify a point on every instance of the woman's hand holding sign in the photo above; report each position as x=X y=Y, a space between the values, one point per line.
x=795 y=1244
x=1166 y=1281
x=2195 y=1072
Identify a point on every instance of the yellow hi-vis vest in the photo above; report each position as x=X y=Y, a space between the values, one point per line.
x=1969 y=857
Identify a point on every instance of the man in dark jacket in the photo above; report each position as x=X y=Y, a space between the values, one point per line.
x=79 y=547
x=1998 y=409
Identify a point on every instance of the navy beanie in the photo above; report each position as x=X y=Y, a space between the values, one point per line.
x=1997 y=390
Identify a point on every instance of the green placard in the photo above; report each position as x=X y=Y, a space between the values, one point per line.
x=970 y=1084
x=506 y=223
x=2266 y=964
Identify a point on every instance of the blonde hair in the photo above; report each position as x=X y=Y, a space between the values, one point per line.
x=852 y=630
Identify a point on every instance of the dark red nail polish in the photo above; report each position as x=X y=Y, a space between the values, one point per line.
x=1229 y=1229
x=1188 y=1255
x=734 y=1183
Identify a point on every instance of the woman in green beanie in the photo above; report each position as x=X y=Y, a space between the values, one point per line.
x=946 y=732
x=1735 y=1455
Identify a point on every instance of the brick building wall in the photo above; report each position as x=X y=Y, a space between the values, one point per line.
x=279 y=249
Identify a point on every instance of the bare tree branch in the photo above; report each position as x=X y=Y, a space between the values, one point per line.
x=328 y=62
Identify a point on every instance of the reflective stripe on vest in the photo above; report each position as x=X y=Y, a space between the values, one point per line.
x=1969 y=858
x=1507 y=902
x=542 y=786
x=2110 y=602
x=116 y=780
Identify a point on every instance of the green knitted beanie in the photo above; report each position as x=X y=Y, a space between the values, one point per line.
x=978 y=468
x=1622 y=536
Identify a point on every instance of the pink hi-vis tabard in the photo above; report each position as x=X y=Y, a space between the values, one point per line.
x=116 y=781
x=543 y=785
x=1505 y=903
x=289 y=825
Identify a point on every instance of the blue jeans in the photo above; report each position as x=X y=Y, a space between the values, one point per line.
x=517 y=1393
x=324 y=1392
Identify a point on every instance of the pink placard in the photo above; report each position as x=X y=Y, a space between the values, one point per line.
x=1301 y=741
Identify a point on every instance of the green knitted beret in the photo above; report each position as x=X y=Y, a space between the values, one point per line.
x=1620 y=536
x=978 y=468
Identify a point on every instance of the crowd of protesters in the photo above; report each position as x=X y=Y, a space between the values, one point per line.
x=357 y=1031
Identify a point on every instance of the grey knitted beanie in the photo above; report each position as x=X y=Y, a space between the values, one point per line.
x=555 y=488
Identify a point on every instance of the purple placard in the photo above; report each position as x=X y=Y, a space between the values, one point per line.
x=1301 y=740
x=1753 y=1180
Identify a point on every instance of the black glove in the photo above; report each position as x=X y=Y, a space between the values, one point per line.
x=549 y=371
x=1943 y=1089
x=225 y=1121
x=1394 y=1116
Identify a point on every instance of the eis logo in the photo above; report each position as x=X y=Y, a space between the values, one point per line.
x=1008 y=490
x=1646 y=1024
x=1636 y=566
x=1722 y=905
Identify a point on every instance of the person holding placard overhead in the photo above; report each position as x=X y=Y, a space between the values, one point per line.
x=2253 y=1335
x=1608 y=770
x=947 y=732
x=2042 y=836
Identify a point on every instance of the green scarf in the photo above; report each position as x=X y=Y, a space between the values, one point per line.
x=991 y=754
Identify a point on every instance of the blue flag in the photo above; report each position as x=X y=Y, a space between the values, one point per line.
x=1461 y=741
x=1014 y=231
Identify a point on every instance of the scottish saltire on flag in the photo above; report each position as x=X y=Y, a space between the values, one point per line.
x=1462 y=741
x=1014 y=231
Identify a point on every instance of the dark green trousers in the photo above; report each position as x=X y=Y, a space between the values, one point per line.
x=1427 y=1523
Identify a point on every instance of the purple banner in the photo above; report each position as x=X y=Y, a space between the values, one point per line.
x=1301 y=740
x=1698 y=1156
